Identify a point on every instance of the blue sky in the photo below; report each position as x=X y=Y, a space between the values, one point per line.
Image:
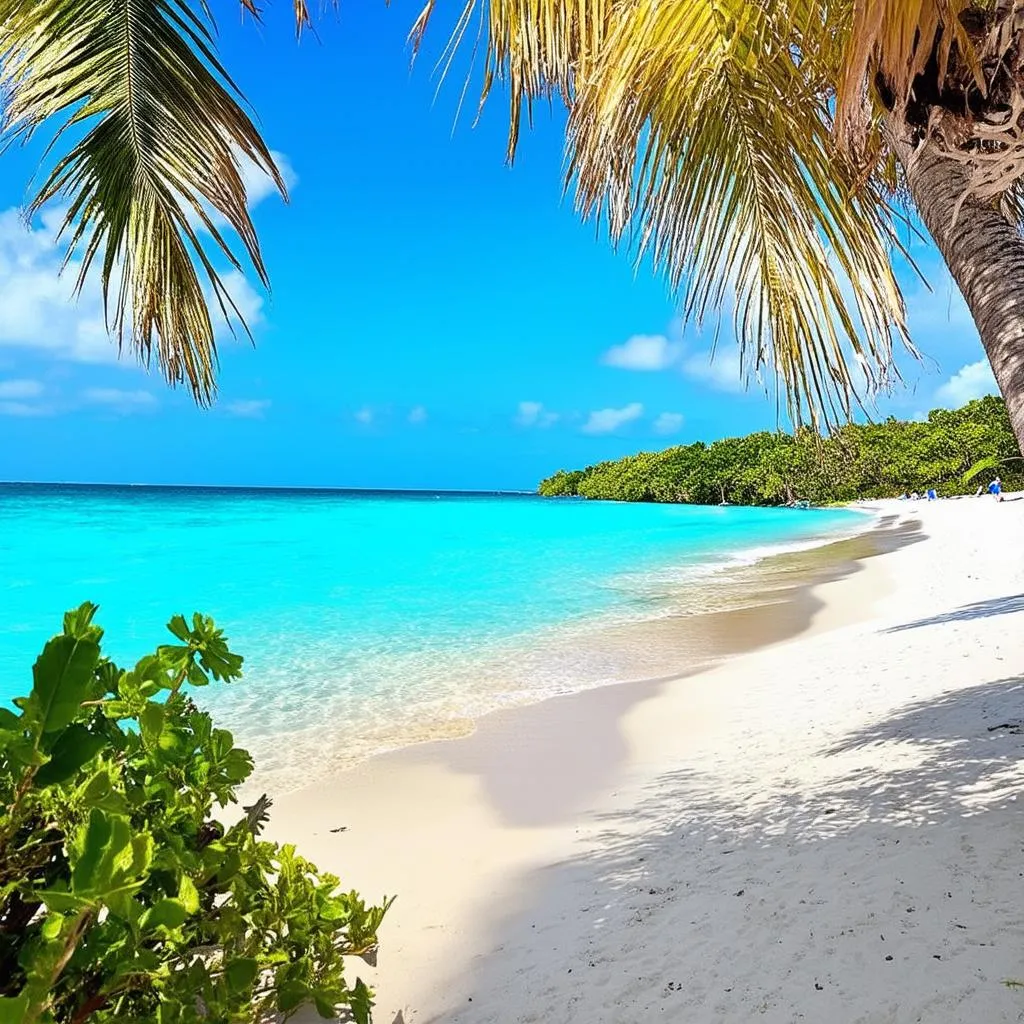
x=437 y=319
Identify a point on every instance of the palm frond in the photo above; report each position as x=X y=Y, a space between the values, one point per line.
x=896 y=39
x=701 y=136
x=303 y=15
x=989 y=462
x=537 y=48
x=160 y=139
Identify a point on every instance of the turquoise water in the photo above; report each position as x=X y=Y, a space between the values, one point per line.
x=380 y=616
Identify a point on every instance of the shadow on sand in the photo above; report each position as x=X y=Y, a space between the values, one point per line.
x=717 y=899
x=979 y=610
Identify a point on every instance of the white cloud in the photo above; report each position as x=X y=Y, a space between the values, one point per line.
x=38 y=308
x=721 y=372
x=258 y=185
x=528 y=413
x=643 y=352
x=668 y=423
x=248 y=408
x=606 y=421
x=533 y=414
x=120 y=400
x=972 y=381
x=418 y=414
x=18 y=389
x=364 y=415
x=248 y=301
x=23 y=409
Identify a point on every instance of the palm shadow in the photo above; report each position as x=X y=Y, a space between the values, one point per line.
x=708 y=900
x=1007 y=605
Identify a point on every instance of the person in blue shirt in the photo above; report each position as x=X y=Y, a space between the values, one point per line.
x=996 y=488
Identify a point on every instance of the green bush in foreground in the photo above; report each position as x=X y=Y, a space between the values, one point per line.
x=121 y=896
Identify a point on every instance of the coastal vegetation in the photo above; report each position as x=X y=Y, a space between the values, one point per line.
x=767 y=162
x=122 y=895
x=949 y=451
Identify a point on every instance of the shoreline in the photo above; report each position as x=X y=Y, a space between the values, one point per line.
x=753 y=597
x=525 y=810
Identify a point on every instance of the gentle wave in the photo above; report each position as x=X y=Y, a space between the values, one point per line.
x=370 y=620
x=441 y=696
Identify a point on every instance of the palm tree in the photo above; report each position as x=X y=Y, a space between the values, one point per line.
x=764 y=154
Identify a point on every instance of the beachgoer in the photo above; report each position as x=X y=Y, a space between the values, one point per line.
x=914 y=495
x=931 y=494
x=996 y=489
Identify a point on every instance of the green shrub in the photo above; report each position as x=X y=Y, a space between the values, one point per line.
x=859 y=460
x=121 y=896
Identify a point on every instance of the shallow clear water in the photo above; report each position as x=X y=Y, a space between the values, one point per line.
x=373 y=614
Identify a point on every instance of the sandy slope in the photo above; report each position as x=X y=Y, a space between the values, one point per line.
x=824 y=830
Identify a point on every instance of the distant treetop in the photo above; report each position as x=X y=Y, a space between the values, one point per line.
x=878 y=460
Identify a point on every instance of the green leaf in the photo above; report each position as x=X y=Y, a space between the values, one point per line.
x=196 y=676
x=25 y=752
x=151 y=722
x=75 y=747
x=105 y=857
x=979 y=467
x=13 y=1010
x=238 y=765
x=62 y=679
x=188 y=894
x=117 y=709
x=9 y=721
x=61 y=901
x=107 y=676
x=179 y=627
x=165 y=913
x=142 y=854
x=325 y=1008
x=240 y=974
x=291 y=994
x=78 y=623
x=149 y=871
x=360 y=1002
x=94 y=844
x=98 y=791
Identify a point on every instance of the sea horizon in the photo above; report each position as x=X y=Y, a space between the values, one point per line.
x=298 y=489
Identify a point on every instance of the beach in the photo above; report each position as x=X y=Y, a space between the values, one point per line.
x=397 y=616
x=823 y=827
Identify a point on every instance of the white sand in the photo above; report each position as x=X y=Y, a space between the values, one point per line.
x=823 y=830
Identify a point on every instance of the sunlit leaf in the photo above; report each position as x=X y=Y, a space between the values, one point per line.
x=165 y=913
x=75 y=747
x=62 y=679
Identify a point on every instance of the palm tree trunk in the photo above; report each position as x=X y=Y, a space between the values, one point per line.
x=985 y=255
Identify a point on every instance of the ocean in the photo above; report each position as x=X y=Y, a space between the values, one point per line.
x=373 y=619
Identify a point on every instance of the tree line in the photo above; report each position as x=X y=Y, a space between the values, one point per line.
x=874 y=460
